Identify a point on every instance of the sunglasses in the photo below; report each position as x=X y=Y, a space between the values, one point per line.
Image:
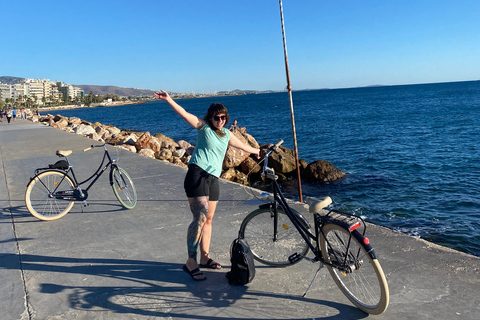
x=218 y=118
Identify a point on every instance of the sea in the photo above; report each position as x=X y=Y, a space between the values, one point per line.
x=411 y=153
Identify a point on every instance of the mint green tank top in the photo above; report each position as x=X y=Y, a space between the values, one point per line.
x=210 y=150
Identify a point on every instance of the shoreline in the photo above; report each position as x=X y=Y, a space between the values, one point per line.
x=74 y=106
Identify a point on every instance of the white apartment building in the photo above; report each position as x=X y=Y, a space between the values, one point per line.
x=38 y=89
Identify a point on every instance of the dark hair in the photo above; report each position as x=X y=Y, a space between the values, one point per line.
x=214 y=109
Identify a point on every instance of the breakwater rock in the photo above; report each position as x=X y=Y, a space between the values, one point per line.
x=237 y=165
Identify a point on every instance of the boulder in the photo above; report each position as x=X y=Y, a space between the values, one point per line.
x=229 y=174
x=166 y=142
x=322 y=171
x=282 y=161
x=128 y=147
x=249 y=165
x=163 y=154
x=75 y=121
x=234 y=157
x=179 y=153
x=146 y=141
x=178 y=162
x=147 y=153
x=112 y=129
x=60 y=117
x=83 y=130
x=184 y=144
x=130 y=139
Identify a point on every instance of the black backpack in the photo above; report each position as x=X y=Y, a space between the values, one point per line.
x=243 y=267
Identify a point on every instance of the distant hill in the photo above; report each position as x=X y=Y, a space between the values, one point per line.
x=10 y=80
x=123 y=92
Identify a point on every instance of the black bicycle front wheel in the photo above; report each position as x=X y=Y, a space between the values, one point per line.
x=258 y=230
x=123 y=187
x=362 y=279
x=49 y=195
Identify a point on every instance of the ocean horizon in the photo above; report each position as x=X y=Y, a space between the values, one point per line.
x=410 y=152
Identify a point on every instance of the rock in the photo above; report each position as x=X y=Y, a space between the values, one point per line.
x=62 y=123
x=163 y=154
x=249 y=165
x=112 y=130
x=186 y=158
x=179 y=153
x=115 y=140
x=130 y=139
x=75 y=121
x=94 y=136
x=166 y=142
x=282 y=161
x=146 y=141
x=234 y=157
x=147 y=153
x=184 y=144
x=229 y=174
x=83 y=130
x=241 y=178
x=128 y=147
x=60 y=117
x=178 y=162
x=322 y=171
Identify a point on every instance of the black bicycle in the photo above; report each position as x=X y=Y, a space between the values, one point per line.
x=281 y=236
x=52 y=192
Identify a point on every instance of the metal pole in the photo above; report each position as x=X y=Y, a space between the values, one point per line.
x=291 y=105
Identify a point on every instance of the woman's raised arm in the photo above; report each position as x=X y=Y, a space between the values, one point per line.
x=191 y=119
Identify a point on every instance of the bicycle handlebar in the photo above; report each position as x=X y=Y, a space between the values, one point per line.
x=92 y=146
x=268 y=172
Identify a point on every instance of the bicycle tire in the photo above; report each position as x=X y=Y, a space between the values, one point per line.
x=40 y=201
x=366 y=286
x=257 y=230
x=123 y=187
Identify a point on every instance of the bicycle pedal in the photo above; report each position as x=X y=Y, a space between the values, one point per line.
x=295 y=258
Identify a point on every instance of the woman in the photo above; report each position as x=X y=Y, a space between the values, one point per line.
x=201 y=182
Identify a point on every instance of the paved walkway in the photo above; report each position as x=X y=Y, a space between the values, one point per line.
x=110 y=263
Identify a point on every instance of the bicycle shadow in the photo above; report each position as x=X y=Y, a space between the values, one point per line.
x=156 y=289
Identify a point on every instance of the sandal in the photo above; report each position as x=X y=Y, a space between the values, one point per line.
x=211 y=265
x=195 y=273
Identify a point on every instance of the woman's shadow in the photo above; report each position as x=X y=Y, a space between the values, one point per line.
x=159 y=289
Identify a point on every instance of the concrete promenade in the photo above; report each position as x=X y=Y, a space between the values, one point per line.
x=104 y=262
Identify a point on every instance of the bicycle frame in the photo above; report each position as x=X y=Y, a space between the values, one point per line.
x=297 y=219
x=82 y=194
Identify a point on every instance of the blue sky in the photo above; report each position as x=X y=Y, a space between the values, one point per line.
x=208 y=46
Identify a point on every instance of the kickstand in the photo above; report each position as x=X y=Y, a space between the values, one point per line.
x=314 y=277
x=85 y=204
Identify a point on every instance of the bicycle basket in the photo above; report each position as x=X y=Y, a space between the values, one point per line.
x=60 y=164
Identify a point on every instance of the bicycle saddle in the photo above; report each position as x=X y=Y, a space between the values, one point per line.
x=64 y=153
x=316 y=204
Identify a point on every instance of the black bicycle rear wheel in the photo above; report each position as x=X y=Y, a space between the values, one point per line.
x=364 y=283
x=257 y=230
x=123 y=188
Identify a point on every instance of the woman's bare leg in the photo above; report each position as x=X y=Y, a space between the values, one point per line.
x=207 y=234
x=199 y=208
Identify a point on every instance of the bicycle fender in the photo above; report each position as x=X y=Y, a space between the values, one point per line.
x=365 y=243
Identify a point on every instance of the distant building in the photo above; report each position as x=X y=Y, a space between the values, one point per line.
x=40 y=90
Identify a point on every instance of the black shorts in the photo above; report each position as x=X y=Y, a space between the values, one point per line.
x=199 y=183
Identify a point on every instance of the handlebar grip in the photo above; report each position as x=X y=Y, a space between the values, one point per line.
x=85 y=150
x=276 y=145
